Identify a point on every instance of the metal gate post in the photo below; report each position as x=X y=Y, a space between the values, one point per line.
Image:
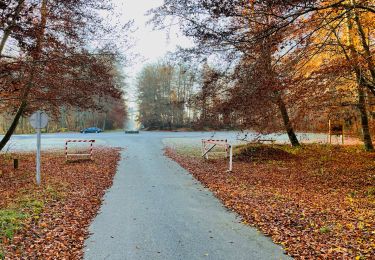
x=230 y=158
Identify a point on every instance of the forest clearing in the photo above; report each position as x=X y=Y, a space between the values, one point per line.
x=150 y=92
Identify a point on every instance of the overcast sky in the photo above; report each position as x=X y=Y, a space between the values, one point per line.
x=150 y=45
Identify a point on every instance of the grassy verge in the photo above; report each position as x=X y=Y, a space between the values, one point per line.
x=317 y=201
x=51 y=220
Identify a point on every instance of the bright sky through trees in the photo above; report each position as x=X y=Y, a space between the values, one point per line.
x=150 y=45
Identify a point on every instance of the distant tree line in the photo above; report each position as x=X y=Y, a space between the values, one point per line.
x=164 y=94
x=112 y=116
x=208 y=103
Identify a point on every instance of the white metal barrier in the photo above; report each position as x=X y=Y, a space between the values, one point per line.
x=79 y=154
x=210 y=144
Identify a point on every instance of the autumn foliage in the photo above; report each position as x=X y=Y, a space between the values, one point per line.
x=289 y=63
x=49 y=58
x=51 y=221
x=317 y=202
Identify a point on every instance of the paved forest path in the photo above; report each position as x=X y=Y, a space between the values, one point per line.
x=156 y=210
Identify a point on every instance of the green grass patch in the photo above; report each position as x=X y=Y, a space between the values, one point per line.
x=10 y=222
x=33 y=206
x=324 y=230
x=27 y=206
x=189 y=151
x=195 y=151
x=12 y=219
x=291 y=149
x=184 y=146
x=370 y=191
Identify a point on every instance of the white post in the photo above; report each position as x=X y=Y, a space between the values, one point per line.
x=230 y=158
x=38 y=144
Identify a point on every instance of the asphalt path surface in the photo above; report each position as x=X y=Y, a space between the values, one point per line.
x=157 y=210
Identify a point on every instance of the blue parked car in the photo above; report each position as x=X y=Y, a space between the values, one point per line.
x=91 y=130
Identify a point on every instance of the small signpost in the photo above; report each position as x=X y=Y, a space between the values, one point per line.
x=336 y=129
x=38 y=120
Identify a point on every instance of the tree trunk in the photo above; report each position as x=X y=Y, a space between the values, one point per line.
x=364 y=120
x=364 y=41
x=287 y=124
x=361 y=86
x=266 y=55
x=13 y=126
x=30 y=82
